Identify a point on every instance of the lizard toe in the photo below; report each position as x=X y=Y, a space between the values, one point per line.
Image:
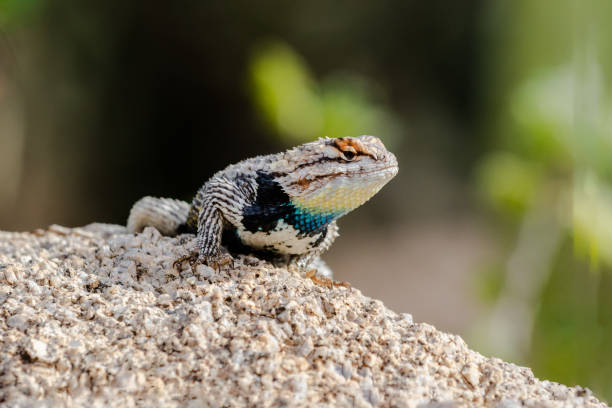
x=192 y=258
x=217 y=262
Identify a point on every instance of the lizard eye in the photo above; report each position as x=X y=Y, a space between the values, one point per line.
x=347 y=147
x=349 y=155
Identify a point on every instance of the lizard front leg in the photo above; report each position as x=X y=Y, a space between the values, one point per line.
x=314 y=268
x=219 y=202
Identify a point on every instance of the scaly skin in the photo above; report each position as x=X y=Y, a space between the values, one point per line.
x=282 y=206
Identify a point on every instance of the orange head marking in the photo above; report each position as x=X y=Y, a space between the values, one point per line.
x=352 y=147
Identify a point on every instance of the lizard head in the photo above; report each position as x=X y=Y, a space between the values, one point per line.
x=331 y=177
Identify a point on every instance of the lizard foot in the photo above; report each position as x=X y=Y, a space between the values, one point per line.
x=326 y=282
x=214 y=261
x=218 y=261
x=192 y=258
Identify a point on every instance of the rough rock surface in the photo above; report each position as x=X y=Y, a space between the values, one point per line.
x=93 y=316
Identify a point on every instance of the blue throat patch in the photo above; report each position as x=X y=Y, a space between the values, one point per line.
x=309 y=222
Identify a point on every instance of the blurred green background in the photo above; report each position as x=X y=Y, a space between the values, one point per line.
x=499 y=224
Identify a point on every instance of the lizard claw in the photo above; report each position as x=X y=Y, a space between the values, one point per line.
x=192 y=258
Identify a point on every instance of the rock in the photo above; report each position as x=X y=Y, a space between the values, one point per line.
x=95 y=316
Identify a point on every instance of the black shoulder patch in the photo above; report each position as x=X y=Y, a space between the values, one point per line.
x=271 y=205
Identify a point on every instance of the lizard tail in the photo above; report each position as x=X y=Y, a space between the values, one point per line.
x=165 y=214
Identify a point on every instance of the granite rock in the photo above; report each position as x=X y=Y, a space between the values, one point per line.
x=95 y=316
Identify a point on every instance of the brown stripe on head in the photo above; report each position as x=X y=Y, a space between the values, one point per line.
x=305 y=182
x=362 y=146
x=349 y=144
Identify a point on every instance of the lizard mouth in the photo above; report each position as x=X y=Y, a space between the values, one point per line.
x=305 y=183
x=391 y=170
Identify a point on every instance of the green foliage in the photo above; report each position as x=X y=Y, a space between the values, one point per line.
x=14 y=10
x=573 y=326
x=542 y=110
x=554 y=152
x=489 y=283
x=508 y=182
x=285 y=92
x=592 y=218
x=299 y=108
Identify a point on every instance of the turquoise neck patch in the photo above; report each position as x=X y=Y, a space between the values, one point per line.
x=309 y=222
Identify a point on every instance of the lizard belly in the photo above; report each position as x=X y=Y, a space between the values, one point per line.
x=283 y=239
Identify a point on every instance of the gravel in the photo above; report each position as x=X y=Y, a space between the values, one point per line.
x=94 y=316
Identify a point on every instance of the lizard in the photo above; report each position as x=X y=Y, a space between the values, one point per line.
x=281 y=206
